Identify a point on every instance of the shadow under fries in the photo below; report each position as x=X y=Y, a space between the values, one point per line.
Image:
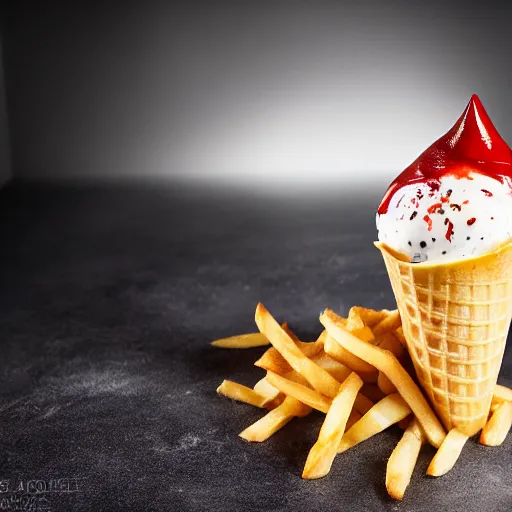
x=290 y=445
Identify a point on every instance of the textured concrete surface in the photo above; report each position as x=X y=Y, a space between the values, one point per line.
x=107 y=382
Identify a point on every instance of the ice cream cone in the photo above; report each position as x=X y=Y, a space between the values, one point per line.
x=455 y=319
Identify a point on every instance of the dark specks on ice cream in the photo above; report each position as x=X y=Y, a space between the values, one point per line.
x=455 y=214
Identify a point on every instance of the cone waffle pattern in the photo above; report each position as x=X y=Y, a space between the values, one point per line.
x=455 y=319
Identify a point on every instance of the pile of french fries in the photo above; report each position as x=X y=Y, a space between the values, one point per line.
x=355 y=373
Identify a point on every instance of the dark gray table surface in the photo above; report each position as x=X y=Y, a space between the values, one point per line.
x=110 y=296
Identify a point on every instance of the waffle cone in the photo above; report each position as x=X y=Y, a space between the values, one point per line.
x=455 y=318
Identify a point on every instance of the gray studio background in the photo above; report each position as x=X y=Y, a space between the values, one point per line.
x=308 y=96
x=5 y=163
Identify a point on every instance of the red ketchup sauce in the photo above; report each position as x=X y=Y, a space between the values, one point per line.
x=472 y=145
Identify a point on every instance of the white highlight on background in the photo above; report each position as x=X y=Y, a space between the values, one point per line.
x=311 y=127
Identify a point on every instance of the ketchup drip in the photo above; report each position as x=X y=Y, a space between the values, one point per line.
x=472 y=145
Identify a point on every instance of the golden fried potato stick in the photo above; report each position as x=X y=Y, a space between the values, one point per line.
x=354 y=321
x=321 y=455
x=494 y=405
x=403 y=459
x=390 y=410
x=496 y=429
x=503 y=393
x=369 y=316
x=388 y=364
x=385 y=385
x=296 y=377
x=274 y=420
x=399 y=335
x=319 y=378
x=447 y=454
x=367 y=372
x=364 y=334
x=391 y=323
x=276 y=402
x=255 y=339
x=337 y=370
x=290 y=333
x=388 y=341
x=273 y=361
x=241 y=393
x=299 y=392
x=308 y=396
x=358 y=328
x=265 y=389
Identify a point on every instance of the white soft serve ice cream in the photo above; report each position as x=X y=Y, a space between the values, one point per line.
x=455 y=200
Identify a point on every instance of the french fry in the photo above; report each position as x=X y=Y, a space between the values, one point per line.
x=358 y=328
x=447 y=454
x=241 y=393
x=388 y=341
x=340 y=354
x=312 y=348
x=354 y=321
x=364 y=334
x=299 y=392
x=503 y=393
x=276 y=402
x=255 y=339
x=494 y=405
x=273 y=361
x=321 y=340
x=274 y=420
x=496 y=429
x=403 y=459
x=399 y=335
x=321 y=455
x=266 y=390
x=319 y=378
x=387 y=363
x=297 y=378
x=388 y=324
x=308 y=396
x=382 y=415
x=385 y=385
x=337 y=370
x=369 y=316
x=302 y=376
x=290 y=333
